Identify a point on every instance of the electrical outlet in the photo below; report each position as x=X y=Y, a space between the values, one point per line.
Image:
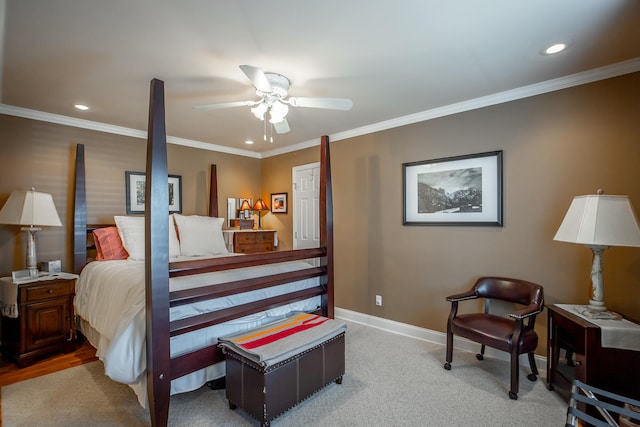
x=379 y=300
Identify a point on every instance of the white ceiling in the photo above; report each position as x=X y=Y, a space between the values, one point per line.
x=397 y=60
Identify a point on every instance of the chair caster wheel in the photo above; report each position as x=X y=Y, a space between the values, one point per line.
x=532 y=377
x=479 y=356
x=513 y=396
x=447 y=366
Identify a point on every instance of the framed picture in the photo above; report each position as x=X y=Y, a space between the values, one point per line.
x=135 y=192
x=279 y=202
x=462 y=190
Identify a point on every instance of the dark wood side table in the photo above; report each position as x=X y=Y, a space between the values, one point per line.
x=574 y=351
x=45 y=321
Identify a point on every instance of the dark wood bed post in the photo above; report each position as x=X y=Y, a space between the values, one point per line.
x=326 y=223
x=79 y=213
x=213 y=192
x=157 y=261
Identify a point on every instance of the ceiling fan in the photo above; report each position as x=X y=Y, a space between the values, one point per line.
x=273 y=89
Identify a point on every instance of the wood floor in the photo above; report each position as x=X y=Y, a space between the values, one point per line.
x=10 y=373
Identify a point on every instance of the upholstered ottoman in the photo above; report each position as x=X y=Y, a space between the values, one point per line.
x=273 y=368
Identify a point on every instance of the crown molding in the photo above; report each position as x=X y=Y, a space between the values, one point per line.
x=117 y=130
x=596 y=74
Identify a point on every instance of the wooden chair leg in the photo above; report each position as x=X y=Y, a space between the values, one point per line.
x=534 y=369
x=449 y=356
x=480 y=356
x=515 y=377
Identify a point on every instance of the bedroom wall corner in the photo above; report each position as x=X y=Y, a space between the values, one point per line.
x=276 y=178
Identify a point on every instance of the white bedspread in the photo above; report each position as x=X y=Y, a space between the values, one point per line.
x=110 y=298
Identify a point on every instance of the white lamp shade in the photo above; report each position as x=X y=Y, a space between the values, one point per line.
x=30 y=208
x=600 y=220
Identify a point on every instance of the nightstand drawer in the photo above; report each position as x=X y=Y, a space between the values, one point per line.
x=248 y=237
x=50 y=290
x=254 y=248
x=264 y=236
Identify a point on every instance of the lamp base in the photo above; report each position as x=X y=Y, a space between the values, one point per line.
x=32 y=265
x=589 y=312
x=596 y=305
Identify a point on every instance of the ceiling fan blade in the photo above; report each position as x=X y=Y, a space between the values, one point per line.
x=257 y=77
x=282 y=127
x=330 y=103
x=225 y=105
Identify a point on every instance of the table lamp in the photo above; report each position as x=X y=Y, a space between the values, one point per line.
x=32 y=210
x=598 y=222
x=260 y=205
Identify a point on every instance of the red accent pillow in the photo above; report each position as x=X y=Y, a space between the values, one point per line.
x=108 y=244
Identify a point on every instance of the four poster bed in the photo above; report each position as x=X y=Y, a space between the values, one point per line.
x=170 y=306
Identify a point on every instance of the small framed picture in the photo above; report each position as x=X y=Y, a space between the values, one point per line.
x=279 y=202
x=135 y=192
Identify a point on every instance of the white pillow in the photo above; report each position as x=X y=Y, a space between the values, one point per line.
x=131 y=230
x=200 y=235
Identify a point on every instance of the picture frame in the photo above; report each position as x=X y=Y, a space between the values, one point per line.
x=135 y=192
x=279 y=203
x=460 y=190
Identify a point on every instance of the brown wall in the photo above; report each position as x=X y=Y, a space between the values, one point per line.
x=41 y=155
x=556 y=146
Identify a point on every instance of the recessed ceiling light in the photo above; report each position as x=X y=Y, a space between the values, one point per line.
x=555 y=48
x=248 y=142
x=81 y=107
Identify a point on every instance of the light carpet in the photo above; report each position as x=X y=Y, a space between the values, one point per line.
x=390 y=380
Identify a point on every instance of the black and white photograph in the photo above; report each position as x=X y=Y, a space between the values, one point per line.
x=135 y=192
x=462 y=190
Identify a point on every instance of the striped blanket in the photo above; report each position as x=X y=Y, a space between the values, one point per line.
x=278 y=341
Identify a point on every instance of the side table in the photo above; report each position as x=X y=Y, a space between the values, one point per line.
x=575 y=351
x=39 y=319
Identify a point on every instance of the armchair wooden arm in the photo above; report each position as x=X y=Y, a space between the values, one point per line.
x=470 y=294
x=528 y=311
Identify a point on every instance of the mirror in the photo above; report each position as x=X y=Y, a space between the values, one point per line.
x=231 y=211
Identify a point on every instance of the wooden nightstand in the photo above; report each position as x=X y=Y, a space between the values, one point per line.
x=250 y=241
x=575 y=351
x=45 y=318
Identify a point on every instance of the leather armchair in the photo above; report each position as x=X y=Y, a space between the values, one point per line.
x=513 y=334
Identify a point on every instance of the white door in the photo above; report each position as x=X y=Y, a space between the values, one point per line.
x=306 y=206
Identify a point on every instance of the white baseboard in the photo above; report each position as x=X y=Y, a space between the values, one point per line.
x=432 y=336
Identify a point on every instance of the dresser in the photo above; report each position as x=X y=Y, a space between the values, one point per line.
x=38 y=317
x=576 y=351
x=250 y=241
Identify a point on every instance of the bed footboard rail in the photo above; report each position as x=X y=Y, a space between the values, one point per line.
x=189 y=296
x=186 y=268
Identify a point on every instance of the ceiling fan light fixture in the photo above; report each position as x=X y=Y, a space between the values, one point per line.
x=260 y=110
x=278 y=112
